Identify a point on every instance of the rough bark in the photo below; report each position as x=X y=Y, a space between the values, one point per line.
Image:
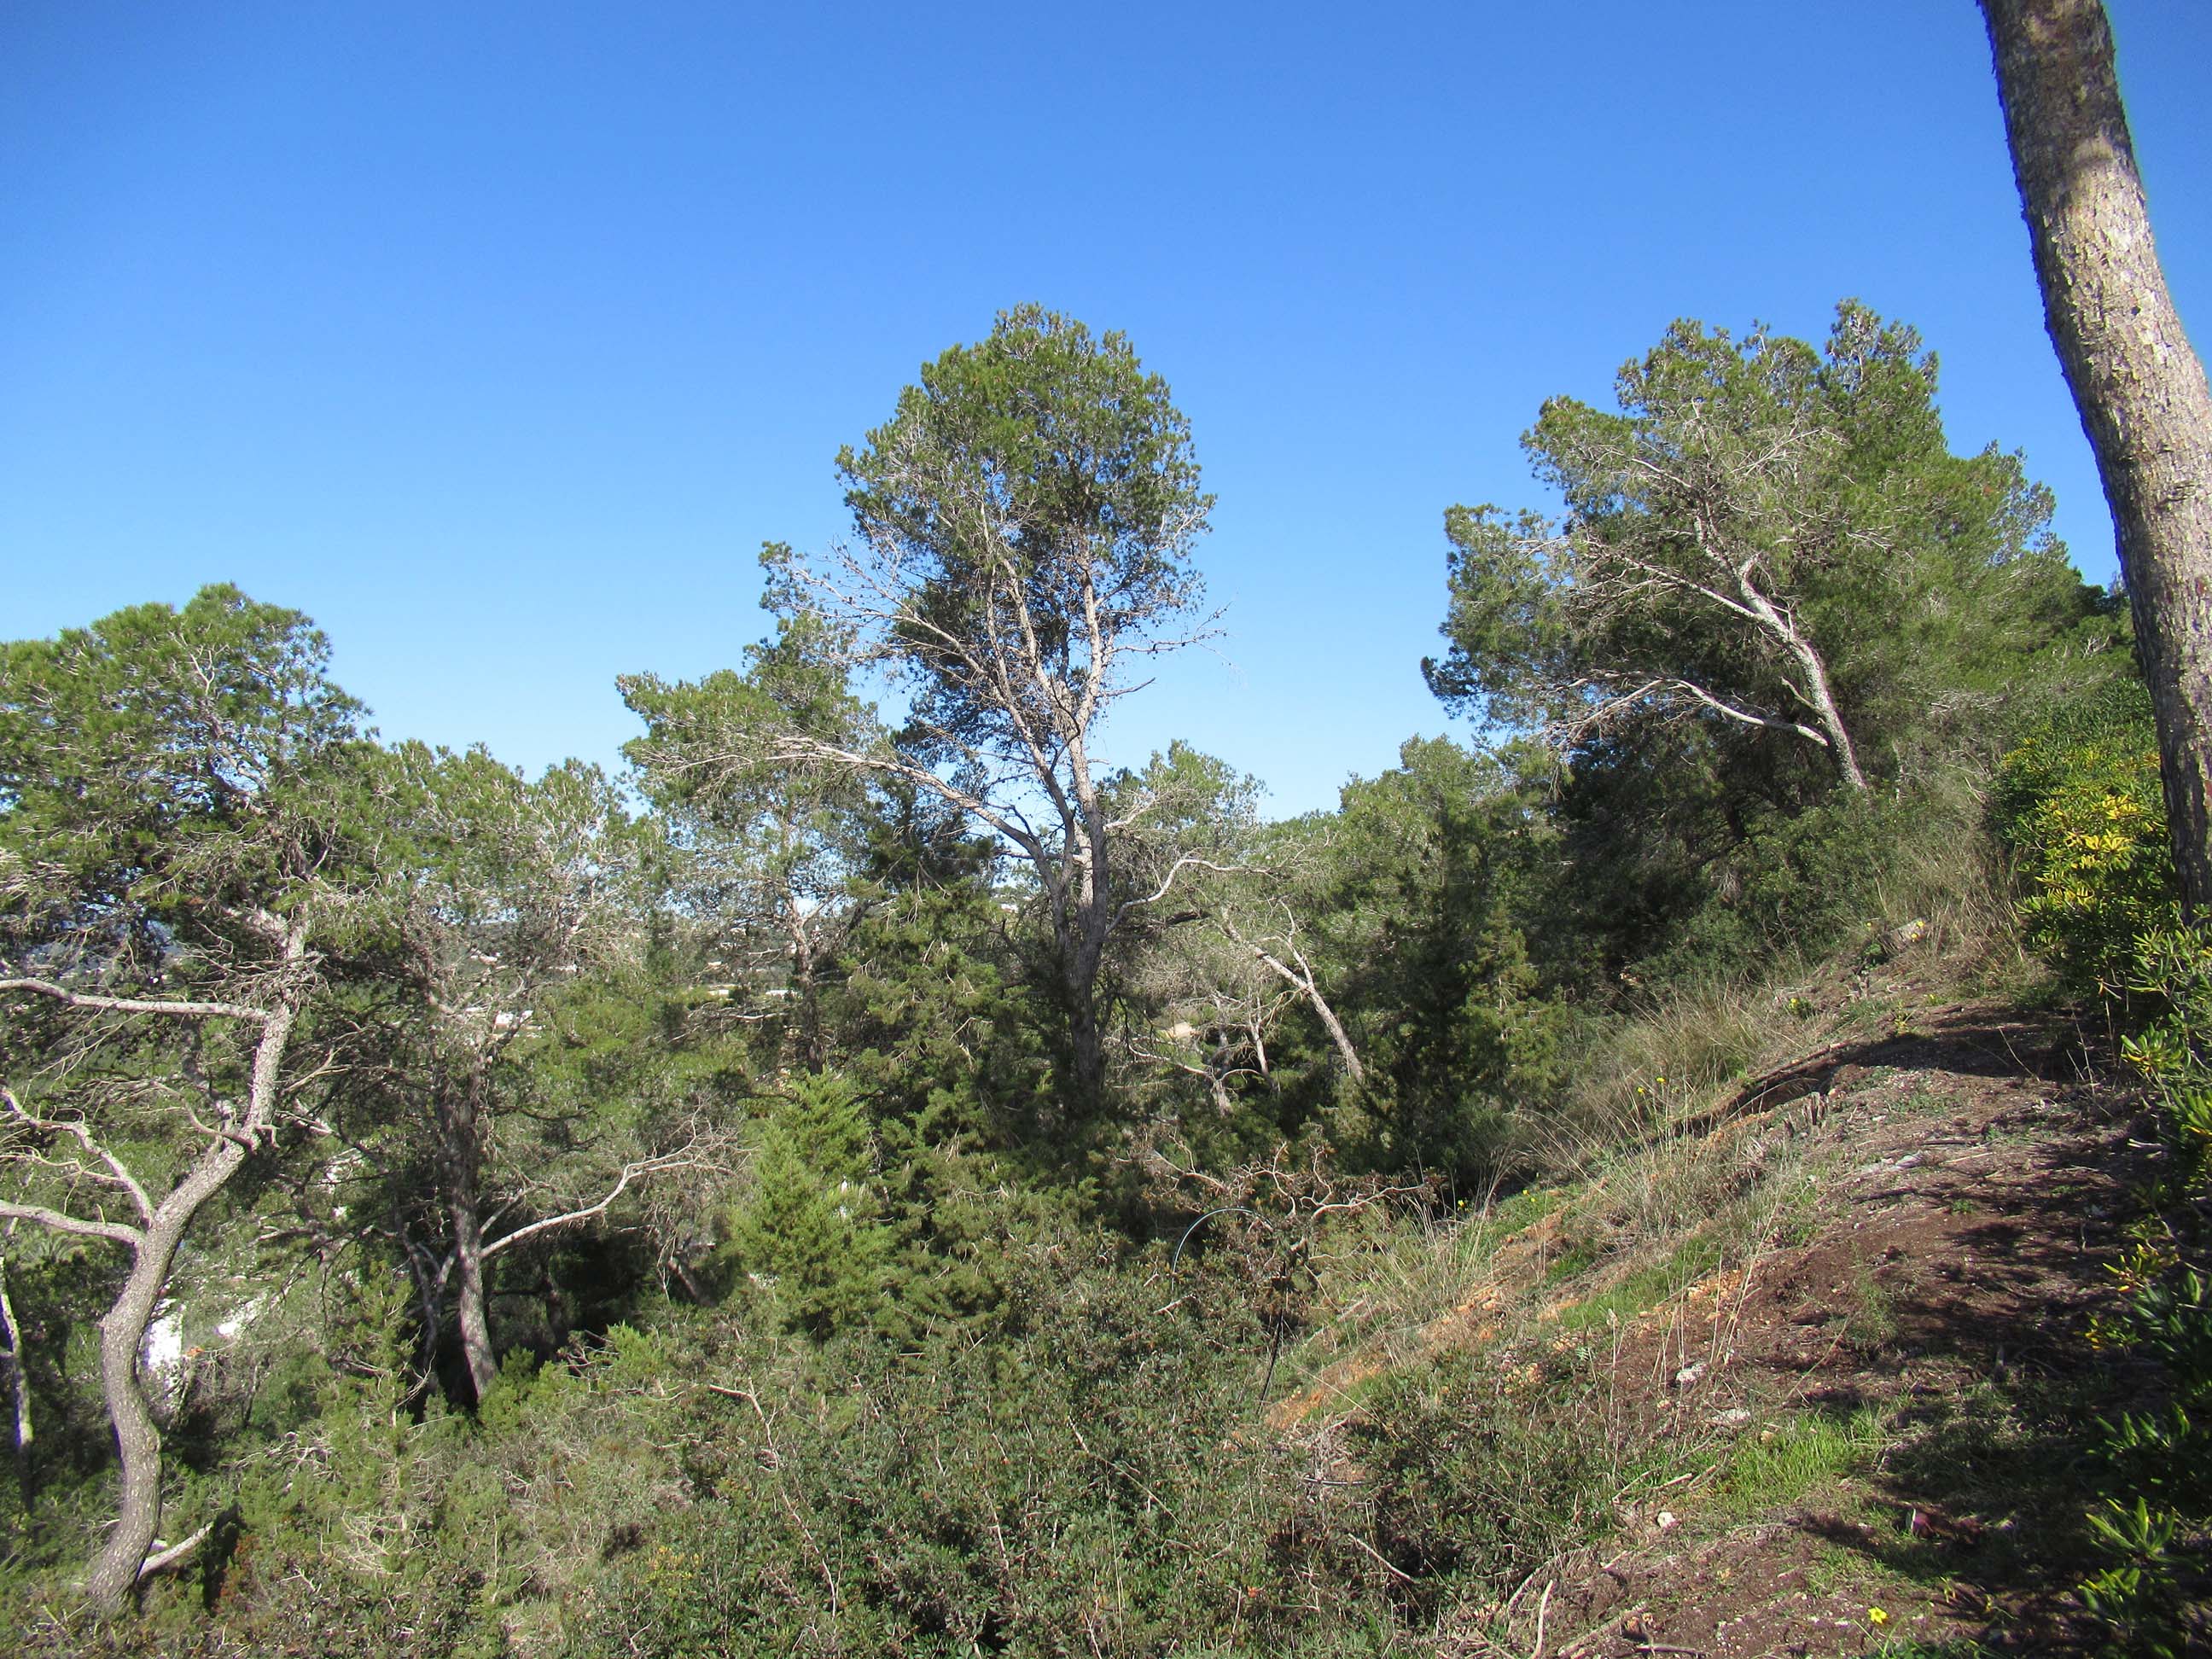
x=115 y=1570
x=471 y=1302
x=460 y=1159
x=2140 y=388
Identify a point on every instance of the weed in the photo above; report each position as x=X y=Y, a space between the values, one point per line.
x=1779 y=1466
x=1873 y=1308
x=1834 y=1570
x=1647 y=1287
x=1572 y=1262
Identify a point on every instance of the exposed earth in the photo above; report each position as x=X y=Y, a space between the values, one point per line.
x=1871 y=1404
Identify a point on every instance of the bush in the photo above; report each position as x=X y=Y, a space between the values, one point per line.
x=2079 y=806
x=807 y=1236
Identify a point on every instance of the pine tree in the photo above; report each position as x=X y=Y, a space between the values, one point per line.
x=810 y=1233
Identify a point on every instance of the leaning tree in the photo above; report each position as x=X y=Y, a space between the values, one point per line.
x=173 y=843
x=2141 y=389
x=1768 y=539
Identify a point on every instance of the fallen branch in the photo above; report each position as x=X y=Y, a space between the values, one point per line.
x=162 y=1561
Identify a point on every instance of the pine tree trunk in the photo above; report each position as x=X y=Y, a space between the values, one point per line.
x=460 y=1159
x=2140 y=388
x=137 y=1441
x=1086 y=1043
x=471 y=1302
x=123 y=1328
x=19 y=1383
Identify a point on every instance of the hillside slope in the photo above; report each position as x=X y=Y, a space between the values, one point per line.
x=1840 y=1316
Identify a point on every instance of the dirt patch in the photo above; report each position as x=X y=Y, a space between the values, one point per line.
x=1940 y=1307
x=1861 y=1430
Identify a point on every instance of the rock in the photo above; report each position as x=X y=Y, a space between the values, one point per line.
x=1688 y=1375
x=1735 y=1418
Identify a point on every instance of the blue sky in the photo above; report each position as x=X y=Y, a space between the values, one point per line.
x=498 y=337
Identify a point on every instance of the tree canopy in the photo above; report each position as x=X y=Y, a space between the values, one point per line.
x=1769 y=541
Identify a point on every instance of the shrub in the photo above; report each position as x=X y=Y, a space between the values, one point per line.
x=808 y=1235
x=2079 y=806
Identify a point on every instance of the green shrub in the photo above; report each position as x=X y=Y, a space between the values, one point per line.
x=808 y=1237
x=1467 y=1492
x=2079 y=806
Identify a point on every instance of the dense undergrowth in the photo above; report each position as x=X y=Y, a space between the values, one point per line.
x=1095 y=1458
x=2080 y=802
x=782 y=1209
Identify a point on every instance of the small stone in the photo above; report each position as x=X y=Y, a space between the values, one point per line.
x=1735 y=1418
x=1688 y=1375
x=1666 y=1519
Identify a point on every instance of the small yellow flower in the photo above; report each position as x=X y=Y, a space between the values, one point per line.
x=1877 y=1616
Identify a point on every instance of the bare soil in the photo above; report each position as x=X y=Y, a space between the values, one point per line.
x=1944 y=1294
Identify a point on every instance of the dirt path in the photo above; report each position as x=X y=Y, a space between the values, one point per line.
x=1909 y=1365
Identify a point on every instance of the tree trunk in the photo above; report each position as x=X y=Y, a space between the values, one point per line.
x=2140 y=388
x=813 y=1052
x=1078 y=892
x=1831 y=719
x=460 y=1158
x=137 y=1441
x=115 y=1570
x=471 y=1302
x=19 y=1382
x=1086 y=1043
x=1816 y=689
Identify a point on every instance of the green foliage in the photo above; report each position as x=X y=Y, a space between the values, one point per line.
x=1800 y=882
x=160 y=762
x=2079 y=804
x=912 y=1367
x=1797 y=1456
x=1470 y=1493
x=762 y=853
x=1770 y=561
x=1431 y=875
x=1093 y=489
x=1764 y=525
x=339 y=1479
x=809 y=1234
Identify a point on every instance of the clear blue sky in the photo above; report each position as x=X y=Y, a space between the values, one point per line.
x=497 y=338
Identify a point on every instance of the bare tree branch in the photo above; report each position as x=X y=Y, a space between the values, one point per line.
x=113 y=1232
x=182 y=1009
x=688 y=1157
x=161 y=1560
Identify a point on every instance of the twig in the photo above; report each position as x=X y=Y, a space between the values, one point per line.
x=175 y=1554
x=1396 y=1571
